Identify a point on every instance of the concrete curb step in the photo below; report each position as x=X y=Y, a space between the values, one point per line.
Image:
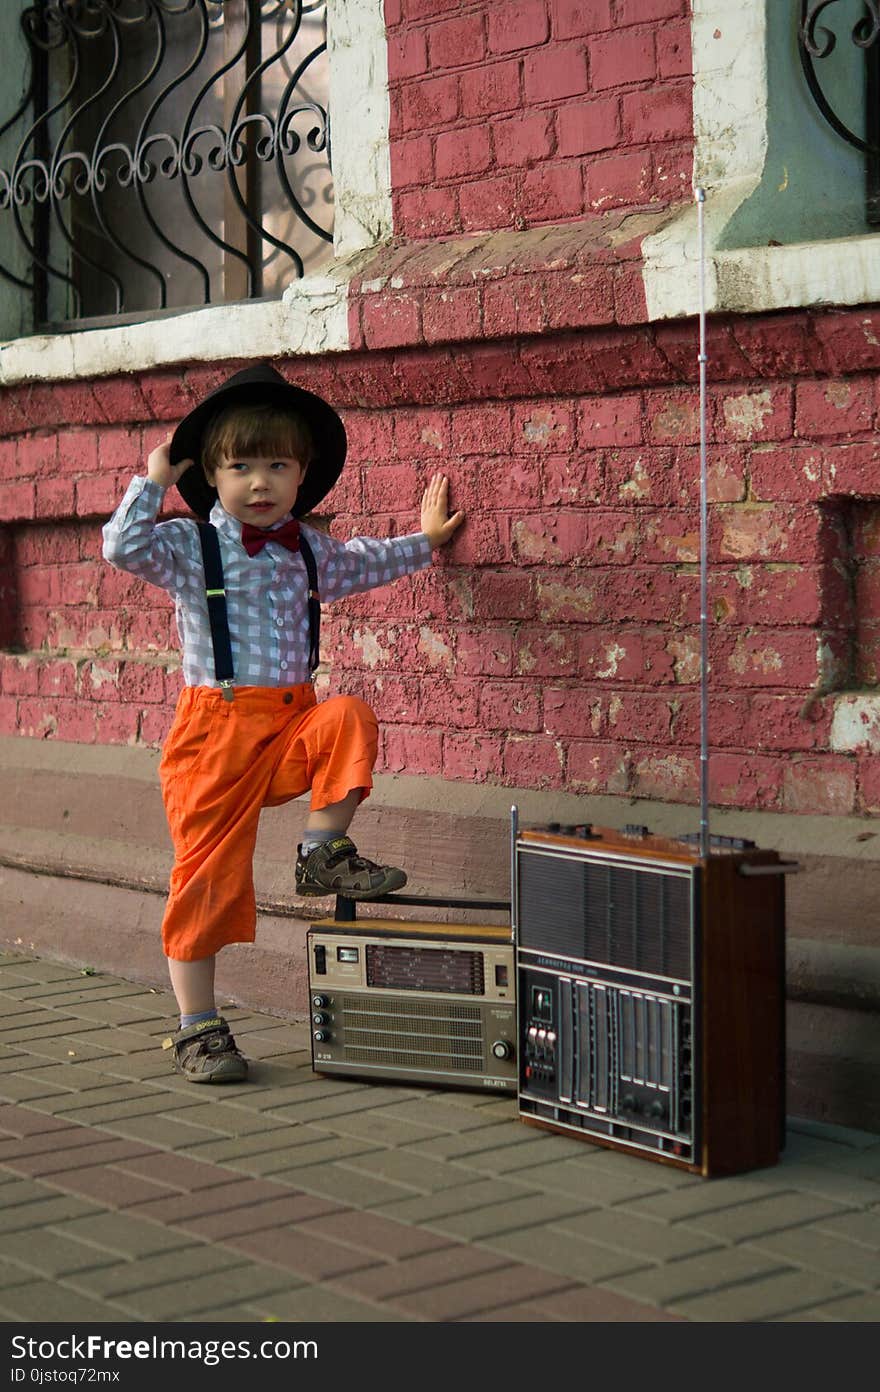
x=817 y=973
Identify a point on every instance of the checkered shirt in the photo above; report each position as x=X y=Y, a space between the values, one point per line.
x=266 y=594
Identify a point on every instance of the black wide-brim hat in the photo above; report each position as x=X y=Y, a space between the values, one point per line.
x=258 y=385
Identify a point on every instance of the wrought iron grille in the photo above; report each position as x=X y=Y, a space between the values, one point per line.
x=815 y=42
x=165 y=154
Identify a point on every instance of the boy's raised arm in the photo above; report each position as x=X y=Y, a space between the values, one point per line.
x=131 y=539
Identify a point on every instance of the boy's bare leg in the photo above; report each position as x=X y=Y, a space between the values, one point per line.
x=193 y=984
x=337 y=816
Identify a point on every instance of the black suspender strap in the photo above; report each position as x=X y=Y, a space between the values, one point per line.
x=314 y=604
x=217 y=616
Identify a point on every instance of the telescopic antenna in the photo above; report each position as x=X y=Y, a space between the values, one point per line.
x=700 y=195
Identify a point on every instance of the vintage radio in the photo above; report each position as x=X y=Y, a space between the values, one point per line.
x=650 y=987
x=424 y=1003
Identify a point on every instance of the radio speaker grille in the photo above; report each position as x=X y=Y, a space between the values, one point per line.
x=413 y=1034
x=625 y=916
x=399 y=1058
x=400 y=1011
x=366 y=1022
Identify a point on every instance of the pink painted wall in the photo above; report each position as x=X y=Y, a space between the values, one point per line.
x=555 y=644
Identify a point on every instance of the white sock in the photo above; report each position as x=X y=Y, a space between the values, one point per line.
x=311 y=839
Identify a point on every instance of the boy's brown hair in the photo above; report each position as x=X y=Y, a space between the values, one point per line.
x=258 y=429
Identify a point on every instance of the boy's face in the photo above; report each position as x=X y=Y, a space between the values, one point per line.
x=260 y=489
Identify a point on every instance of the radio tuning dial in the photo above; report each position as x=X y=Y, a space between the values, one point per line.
x=502 y=1049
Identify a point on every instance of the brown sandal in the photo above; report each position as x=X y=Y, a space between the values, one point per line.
x=206 y=1052
x=334 y=867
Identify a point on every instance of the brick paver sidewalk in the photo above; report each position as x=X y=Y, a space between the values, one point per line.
x=312 y=1199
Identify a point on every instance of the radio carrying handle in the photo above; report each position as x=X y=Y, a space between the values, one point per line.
x=346 y=909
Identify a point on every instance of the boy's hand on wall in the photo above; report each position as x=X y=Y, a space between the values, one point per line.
x=437 y=525
x=159 y=466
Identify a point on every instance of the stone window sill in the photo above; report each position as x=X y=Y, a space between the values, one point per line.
x=757 y=279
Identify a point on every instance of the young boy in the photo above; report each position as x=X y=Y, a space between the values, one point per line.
x=255 y=456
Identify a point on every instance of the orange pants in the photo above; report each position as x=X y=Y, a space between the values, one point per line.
x=222 y=763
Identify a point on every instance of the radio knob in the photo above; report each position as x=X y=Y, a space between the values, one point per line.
x=502 y=1049
x=319 y=1018
x=319 y=1000
x=321 y=1036
x=657 y=1109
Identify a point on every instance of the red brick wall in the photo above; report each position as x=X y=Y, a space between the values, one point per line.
x=555 y=645
x=536 y=111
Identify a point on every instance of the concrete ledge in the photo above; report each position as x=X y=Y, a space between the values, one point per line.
x=117 y=929
x=832 y=974
x=96 y=810
x=96 y=782
x=818 y=973
x=832 y=1065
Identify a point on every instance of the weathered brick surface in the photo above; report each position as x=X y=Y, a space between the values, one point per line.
x=571 y=587
x=478 y=98
x=502 y=335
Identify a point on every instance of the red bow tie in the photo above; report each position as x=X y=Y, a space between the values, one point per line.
x=253 y=539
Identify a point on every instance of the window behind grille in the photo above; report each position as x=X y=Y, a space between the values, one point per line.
x=165 y=155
